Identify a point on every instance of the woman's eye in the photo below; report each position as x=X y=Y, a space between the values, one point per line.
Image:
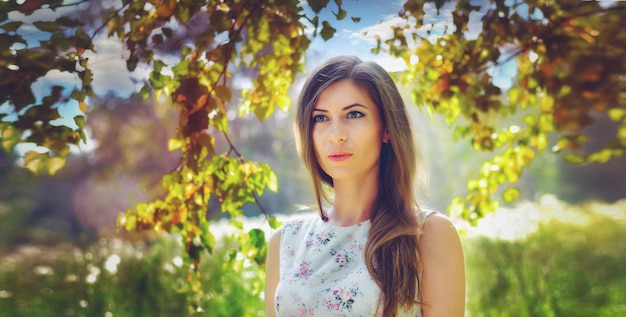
x=319 y=118
x=354 y=114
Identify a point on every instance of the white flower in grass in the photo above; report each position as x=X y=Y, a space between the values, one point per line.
x=111 y=263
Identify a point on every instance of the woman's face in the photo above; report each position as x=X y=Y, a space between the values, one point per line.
x=347 y=132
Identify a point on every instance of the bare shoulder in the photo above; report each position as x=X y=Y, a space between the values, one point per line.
x=439 y=226
x=443 y=275
x=440 y=238
x=275 y=238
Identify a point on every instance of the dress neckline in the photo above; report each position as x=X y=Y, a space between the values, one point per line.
x=334 y=226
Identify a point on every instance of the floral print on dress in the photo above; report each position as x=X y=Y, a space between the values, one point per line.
x=304 y=271
x=343 y=299
x=341 y=258
x=316 y=242
x=323 y=272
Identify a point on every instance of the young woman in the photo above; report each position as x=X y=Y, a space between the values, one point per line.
x=374 y=252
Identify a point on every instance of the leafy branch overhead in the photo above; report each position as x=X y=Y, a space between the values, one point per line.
x=215 y=43
x=570 y=68
x=569 y=61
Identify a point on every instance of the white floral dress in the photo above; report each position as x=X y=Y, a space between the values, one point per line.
x=323 y=273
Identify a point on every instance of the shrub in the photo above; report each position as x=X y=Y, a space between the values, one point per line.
x=573 y=265
x=115 y=278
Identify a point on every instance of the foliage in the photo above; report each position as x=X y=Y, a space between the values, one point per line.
x=569 y=266
x=216 y=44
x=115 y=278
x=570 y=62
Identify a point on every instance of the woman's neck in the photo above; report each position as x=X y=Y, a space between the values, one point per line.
x=354 y=201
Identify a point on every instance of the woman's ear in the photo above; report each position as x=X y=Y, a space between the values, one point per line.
x=386 y=137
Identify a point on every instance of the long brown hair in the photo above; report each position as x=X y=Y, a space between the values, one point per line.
x=391 y=252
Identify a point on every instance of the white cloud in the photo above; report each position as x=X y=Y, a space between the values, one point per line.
x=384 y=30
x=109 y=68
x=391 y=64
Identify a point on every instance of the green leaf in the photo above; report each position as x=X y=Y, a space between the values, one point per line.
x=574 y=158
x=174 y=144
x=272 y=182
x=514 y=94
x=547 y=104
x=80 y=121
x=237 y=224
x=315 y=21
x=68 y=22
x=55 y=164
x=510 y=195
x=341 y=14
x=9 y=137
x=158 y=66
x=257 y=238
x=327 y=31
x=274 y=223
x=617 y=114
x=60 y=41
x=34 y=161
x=317 y=5
x=11 y=26
x=47 y=26
x=82 y=39
x=601 y=156
x=207 y=237
x=355 y=19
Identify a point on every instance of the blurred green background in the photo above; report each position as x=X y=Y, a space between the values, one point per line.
x=559 y=252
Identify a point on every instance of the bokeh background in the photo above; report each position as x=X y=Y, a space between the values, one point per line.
x=558 y=251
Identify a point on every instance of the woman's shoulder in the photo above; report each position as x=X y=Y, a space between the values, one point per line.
x=424 y=213
x=443 y=275
x=434 y=222
x=438 y=234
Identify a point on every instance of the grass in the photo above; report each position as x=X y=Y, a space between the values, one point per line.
x=572 y=264
x=546 y=259
x=117 y=278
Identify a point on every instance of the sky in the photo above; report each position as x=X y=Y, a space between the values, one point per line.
x=351 y=38
x=376 y=18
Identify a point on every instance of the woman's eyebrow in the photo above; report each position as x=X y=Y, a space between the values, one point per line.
x=344 y=108
x=354 y=105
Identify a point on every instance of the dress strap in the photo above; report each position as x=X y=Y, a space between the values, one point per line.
x=424 y=214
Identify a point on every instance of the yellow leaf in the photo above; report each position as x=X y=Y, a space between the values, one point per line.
x=32 y=161
x=224 y=93
x=511 y=194
x=547 y=103
x=616 y=114
x=82 y=105
x=55 y=164
x=174 y=144
x=272 y=183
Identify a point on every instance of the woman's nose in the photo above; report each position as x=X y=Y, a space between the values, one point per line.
x=338 y=132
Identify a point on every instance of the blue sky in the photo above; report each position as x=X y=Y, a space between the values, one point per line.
x=376 y=18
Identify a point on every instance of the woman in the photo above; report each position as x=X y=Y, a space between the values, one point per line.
x=374 y=252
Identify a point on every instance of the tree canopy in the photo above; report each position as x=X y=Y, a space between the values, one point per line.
x=569 y=64
x=570 y=69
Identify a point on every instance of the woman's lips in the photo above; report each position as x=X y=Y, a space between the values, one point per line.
x=339 y=156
